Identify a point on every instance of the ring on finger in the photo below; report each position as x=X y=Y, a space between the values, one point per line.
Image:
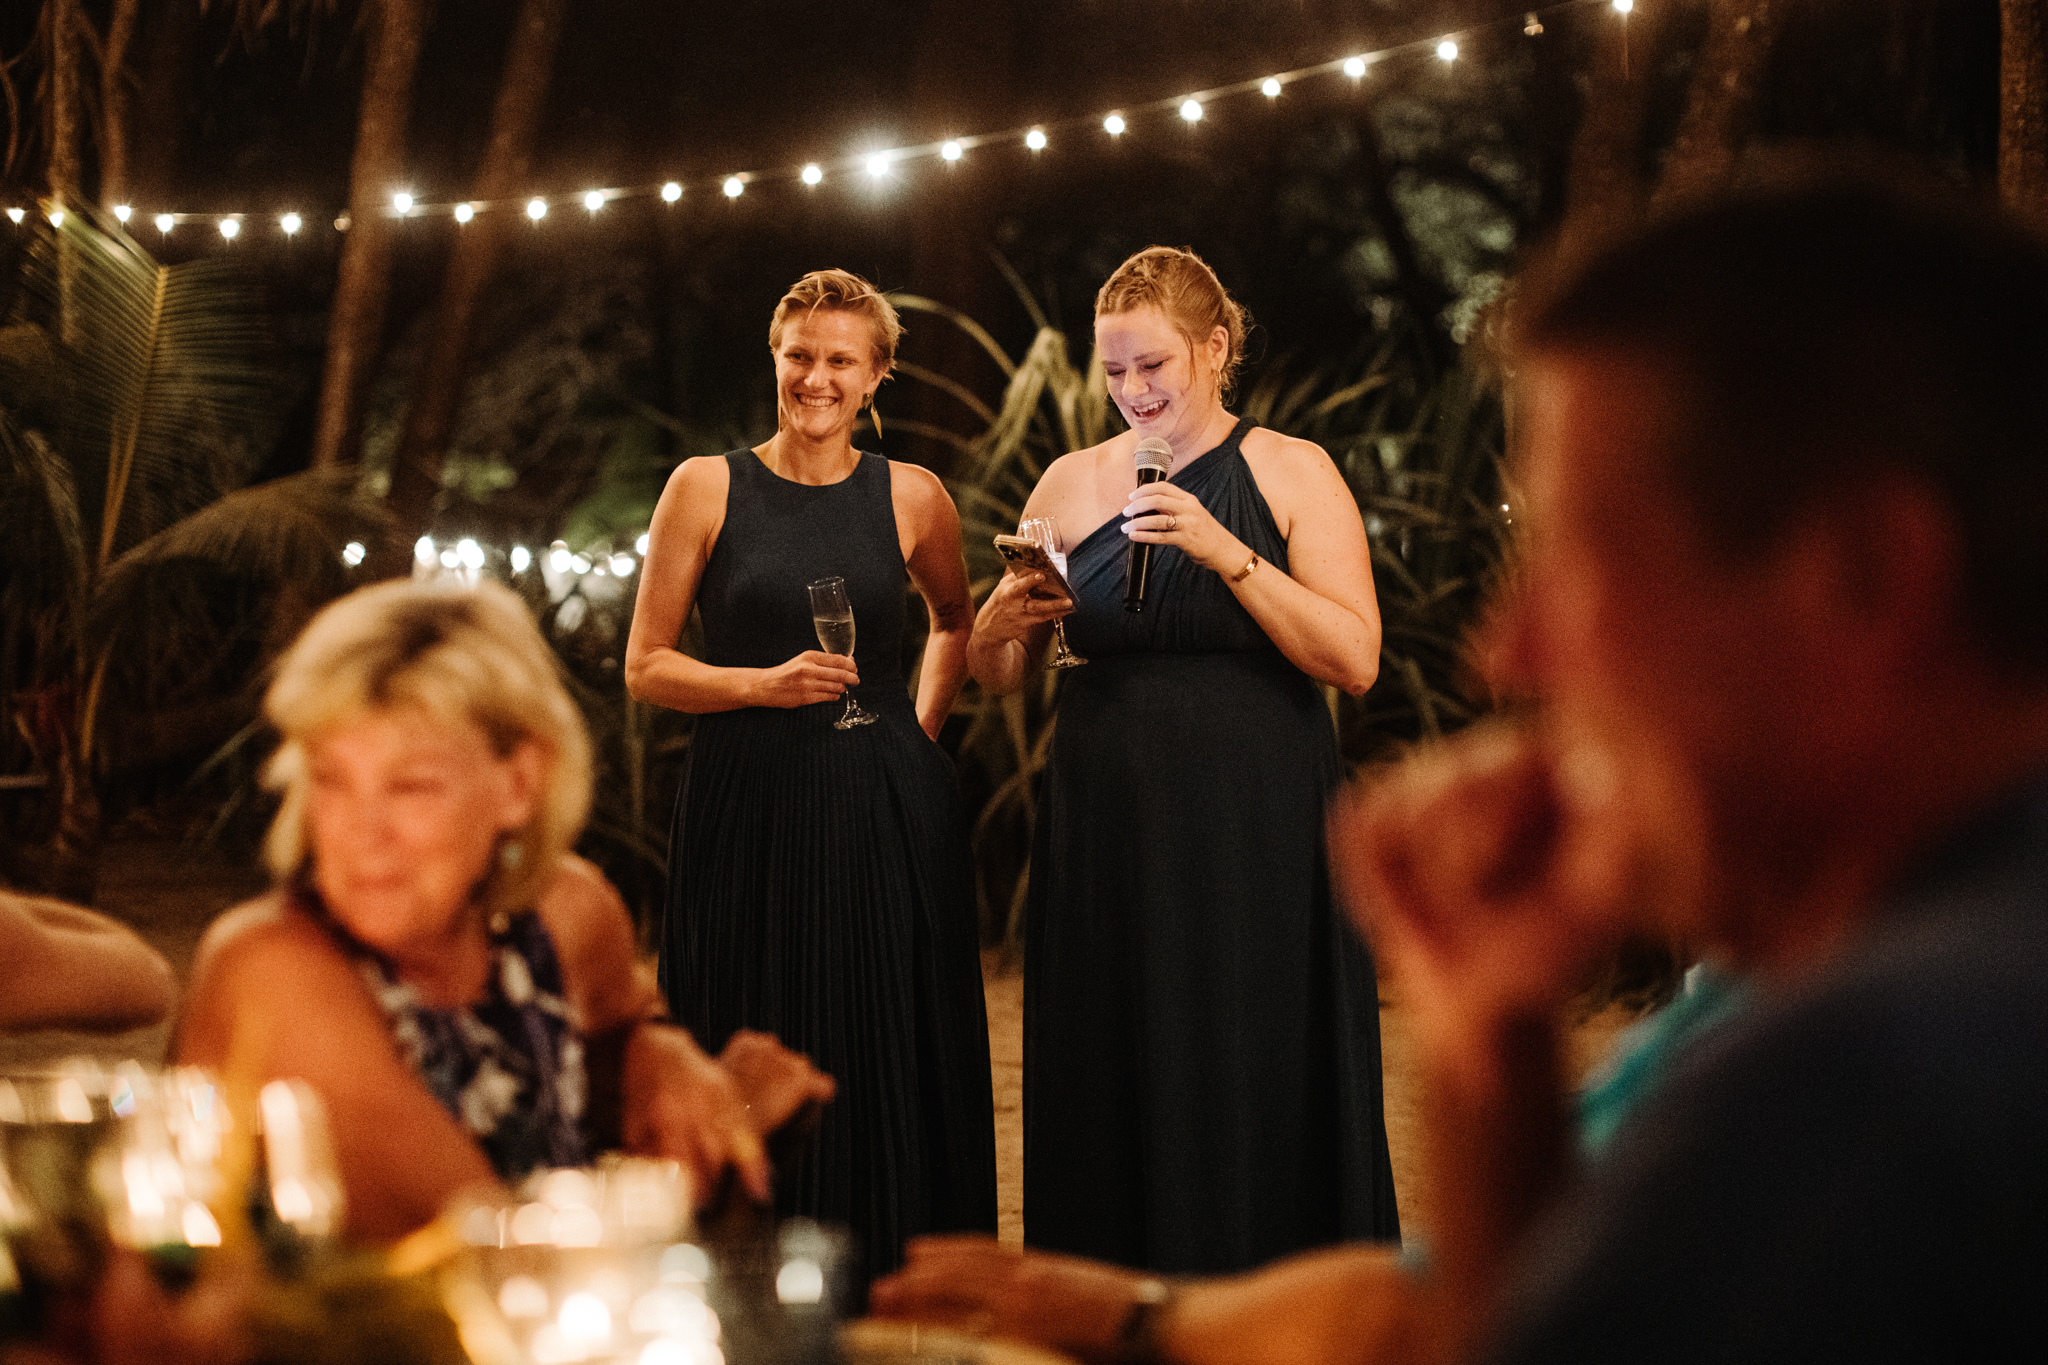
x=1172 y=522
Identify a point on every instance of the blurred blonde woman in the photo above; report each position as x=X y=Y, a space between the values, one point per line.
x=1202 y=1070
x=819 y=885
x=434 y=960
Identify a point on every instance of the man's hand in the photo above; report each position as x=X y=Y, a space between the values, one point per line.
x=980 y=1285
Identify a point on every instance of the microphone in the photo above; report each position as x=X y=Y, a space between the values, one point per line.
x=1153 y=459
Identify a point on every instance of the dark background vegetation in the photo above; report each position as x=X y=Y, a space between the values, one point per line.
x=1367 y=225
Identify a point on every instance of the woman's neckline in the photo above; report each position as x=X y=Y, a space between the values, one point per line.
x=859 y=455
x=1238 y=426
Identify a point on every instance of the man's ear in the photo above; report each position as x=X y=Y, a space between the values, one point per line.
x=1883 y=557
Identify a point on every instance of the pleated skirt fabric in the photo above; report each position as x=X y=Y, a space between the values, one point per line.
x=820 y=890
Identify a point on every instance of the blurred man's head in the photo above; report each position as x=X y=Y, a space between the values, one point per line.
x=1786 y=458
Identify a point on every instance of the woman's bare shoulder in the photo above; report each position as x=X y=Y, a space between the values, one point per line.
x=1289 y=456
x=266 y=963
x=595 y=943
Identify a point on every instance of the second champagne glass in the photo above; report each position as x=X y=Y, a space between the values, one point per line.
x=832 y=614
x=1045 y=533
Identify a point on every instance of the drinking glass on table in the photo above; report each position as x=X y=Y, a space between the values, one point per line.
x=1044 y=532
x=832 y=614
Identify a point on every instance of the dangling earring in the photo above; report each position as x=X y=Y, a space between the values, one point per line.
x=510 y=854
x=874 y=414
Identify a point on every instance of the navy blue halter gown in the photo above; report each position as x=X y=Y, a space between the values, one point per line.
x=819 y=883
x=1201 y=1029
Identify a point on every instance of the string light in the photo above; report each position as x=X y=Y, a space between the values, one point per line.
x=520 y=558
x=423 y=549
x=16 y=214
x=353 y=553
x=1192 y=108
x=291 y=223
x=641 y=545
x=56 y=218
x=230 y=228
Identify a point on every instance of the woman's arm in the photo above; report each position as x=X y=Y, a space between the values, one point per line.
x=686 y=524
x=938 y=569
x=273 y=998
x=1013 y=630
x=1322 y=613
x=65 y=967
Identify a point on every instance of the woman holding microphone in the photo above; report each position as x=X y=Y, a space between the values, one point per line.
x=1202 y=1064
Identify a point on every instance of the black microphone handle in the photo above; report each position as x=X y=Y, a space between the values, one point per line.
x=1138 y=556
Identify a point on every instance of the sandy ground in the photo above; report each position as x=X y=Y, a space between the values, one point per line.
x=170 y=891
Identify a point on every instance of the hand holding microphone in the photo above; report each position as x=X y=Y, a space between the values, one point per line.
x=1163 y=513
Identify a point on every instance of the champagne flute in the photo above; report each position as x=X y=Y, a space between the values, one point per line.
x=1044 y=532
x=832 y=614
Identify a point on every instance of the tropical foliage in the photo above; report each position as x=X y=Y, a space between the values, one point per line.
x=142 y=583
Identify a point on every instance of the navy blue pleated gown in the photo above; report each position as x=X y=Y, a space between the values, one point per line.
x=1201 y=1027
x=819 y=882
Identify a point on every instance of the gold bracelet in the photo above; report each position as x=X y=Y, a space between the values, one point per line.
x=1246 y=572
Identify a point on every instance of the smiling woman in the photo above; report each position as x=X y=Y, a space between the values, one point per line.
x=819 y=885
x=1196 y=1018
x=434 y=961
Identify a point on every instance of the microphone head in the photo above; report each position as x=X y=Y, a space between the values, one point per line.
x=1154 y=453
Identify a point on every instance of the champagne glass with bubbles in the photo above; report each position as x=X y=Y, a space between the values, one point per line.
x=1044 y=532
x=832 y=614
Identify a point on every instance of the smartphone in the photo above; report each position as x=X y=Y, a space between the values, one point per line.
x=1028 y=556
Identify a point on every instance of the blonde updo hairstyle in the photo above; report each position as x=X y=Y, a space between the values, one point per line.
x=841 y=291
x=1180 y=285
x=464 y=656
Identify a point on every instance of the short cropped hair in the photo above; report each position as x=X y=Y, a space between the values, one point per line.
x=841 y=291
x=1816 y=323
x=1181 y=285
x=464 y=656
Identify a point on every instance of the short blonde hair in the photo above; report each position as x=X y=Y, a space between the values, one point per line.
x=841 y=291
x=464 y=656
x=1180 y=285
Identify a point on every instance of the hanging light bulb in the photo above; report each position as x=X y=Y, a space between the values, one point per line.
x=122 y=211
x=1624 y=6
x=230 y=228
x=536 y=208
x=671 y=192
x=464 y=212
x=813 y=173
x=734 y=187
x=593 y=201
x=1035 y=139
x=1270 y=88
x=164 y=223
x=1447 y=50
x=15 y=215
x=878 y=164
x=950 y=151
x=291 y=223
x=56 y=218
x=1354 y=67
x=1114 y=125
x=402 y=201
x=1191 y=110
x=1531 y=25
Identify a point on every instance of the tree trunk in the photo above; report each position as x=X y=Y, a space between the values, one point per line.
x=2023 y=109
x=1721 y=105
x=515 y=120
x=1607 y=186
x=63 y=18
x=356 y=326
x=113 y=138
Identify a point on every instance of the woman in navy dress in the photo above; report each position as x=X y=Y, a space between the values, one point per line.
x=819 y=883
x=1201 y=1053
